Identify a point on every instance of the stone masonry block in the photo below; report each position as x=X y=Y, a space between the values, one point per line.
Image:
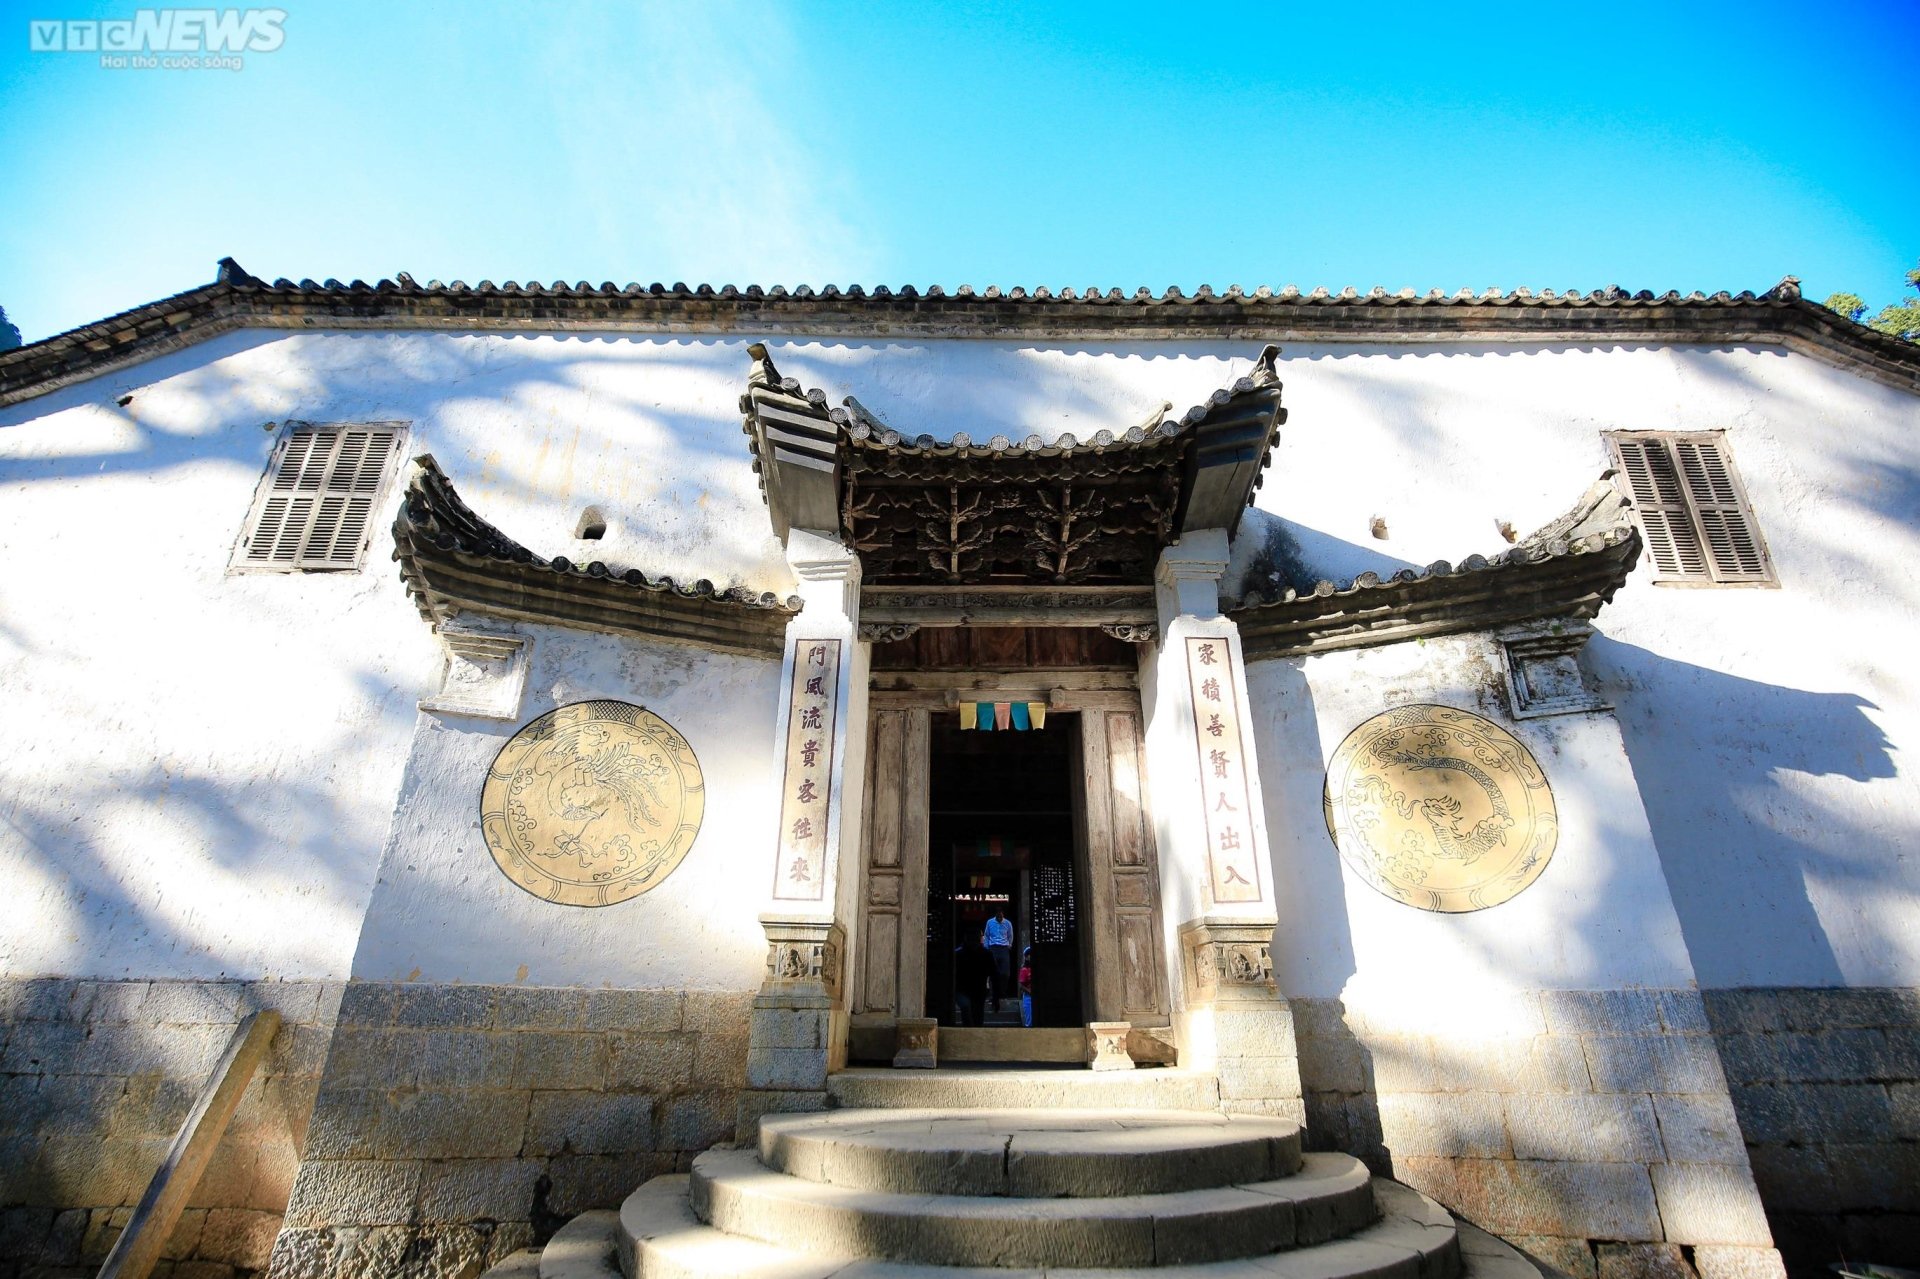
x=1820 y=1010
x=540 y=1008
x=238 y=1237
x=1333 y=1064
x=40 y=999
x=1467 y=1124
x=1557 y=1258
x=589 y=1123
x=1258 y=1078
x=466 y=1059
x=720 y=1061
x=193 y=1002
x=657 y=1062
x=1794 y=1179
x=444 y=1007
x=110 y=1002
x=1699 y=1129
x=790 y=1027
x=1567 y=1199
x=793 y=1068
x=471 y=1189
x=1253 y=1032
x=1640 y=1261
x=1323 y=1019
x=1405 y=1064
x=716 y=1010
x=1711 y=1204
x=370 y=1058
x=548 y=1060
x=635 y=1010
x=1904 y=1105
x=694 y=1120
x=1688 y=1064
x=367 y=1004
x=1842 y=1112
x=366 y=1192
x=1880 y=1176
x=42 y=1047
x=346 y=1123
x=1738 y=1011
x=455 y=1124
x=1594 y=1129
x=1715 y=1261
x=585 y=1182
x=295 y=1001
x=1621 y=1063
x=1683 y=1012
x=1543 y=1064
x=1602 y=1012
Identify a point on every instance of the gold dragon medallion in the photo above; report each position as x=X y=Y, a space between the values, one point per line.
x=592 y=803
x=1440 y=809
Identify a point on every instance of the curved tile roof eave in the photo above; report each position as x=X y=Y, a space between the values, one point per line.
x=236 y=300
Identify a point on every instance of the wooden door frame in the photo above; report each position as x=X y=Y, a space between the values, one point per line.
x=1117 y=858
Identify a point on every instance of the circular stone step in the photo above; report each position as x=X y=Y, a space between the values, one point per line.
x=1329 y=1198
x=1030 y=1154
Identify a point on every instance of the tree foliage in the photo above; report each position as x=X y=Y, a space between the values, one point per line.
x=1902 y=318
x=9 y=334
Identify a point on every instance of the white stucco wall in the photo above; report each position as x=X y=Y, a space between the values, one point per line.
x=202 y=767
x=443 y=912
x=1598 y=917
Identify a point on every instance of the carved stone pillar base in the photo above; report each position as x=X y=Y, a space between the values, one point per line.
x=1107 y=1045
x=1236 y=1023
x=916 y=1043
x=797 y=1033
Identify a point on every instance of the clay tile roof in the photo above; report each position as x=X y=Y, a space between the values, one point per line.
x=454 y=561
x=236 y=299
x=1567 y=569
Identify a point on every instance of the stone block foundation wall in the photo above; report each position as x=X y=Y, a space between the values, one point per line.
x=456 y=1124
x=95 y=1080
x=1592 y=1129
x=1826 y=1083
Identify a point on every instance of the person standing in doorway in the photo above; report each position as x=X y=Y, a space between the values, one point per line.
x=998 y=936
x=1026 y=986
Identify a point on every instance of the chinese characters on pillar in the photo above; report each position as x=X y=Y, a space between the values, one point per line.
x=1231 y=860
x=806 y=785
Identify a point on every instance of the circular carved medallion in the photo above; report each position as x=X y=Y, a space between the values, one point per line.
x=1440 y=808
x=592 y=803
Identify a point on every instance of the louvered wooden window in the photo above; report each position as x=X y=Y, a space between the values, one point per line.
x=1693 y=512
x=319 y=495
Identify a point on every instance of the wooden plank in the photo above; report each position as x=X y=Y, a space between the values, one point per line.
x=1100 y=938
x=138 y=1248
x=1000 y=647
x=916 y=762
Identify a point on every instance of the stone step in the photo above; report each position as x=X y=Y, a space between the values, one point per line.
x=524 y=1264
x=588 y=1247
x=1330 y=1197
x=663 y=1239
x=962 y=1089
x=1029 y=1154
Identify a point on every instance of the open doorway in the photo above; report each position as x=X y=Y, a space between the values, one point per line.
x=1001 y=843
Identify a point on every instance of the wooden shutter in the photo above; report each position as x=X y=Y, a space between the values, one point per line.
x=1733 y=544
x=319 y=497
x=1692 y=511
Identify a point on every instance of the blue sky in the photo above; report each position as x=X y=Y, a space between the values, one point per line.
x=1432 y=146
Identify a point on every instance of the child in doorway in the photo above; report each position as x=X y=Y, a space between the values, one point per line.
x=1026 y=987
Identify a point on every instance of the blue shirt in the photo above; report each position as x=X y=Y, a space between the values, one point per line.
x=999 y=932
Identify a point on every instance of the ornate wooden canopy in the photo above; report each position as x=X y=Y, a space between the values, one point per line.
x=1063 y=512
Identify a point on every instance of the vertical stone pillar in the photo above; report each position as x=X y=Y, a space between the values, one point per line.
x=799 y=1024
x=1215 y=869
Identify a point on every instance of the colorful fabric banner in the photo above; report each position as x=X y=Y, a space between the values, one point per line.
x=1037 y=712
x=1020 y=720
x=969 y=715
x=986 y=717
x=1003 y=715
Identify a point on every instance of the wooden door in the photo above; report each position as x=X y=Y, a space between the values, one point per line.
x=893 y=904
x=1121 y=938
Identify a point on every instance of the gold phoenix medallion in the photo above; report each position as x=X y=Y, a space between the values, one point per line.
x=592 y=803
x=1440 y=808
